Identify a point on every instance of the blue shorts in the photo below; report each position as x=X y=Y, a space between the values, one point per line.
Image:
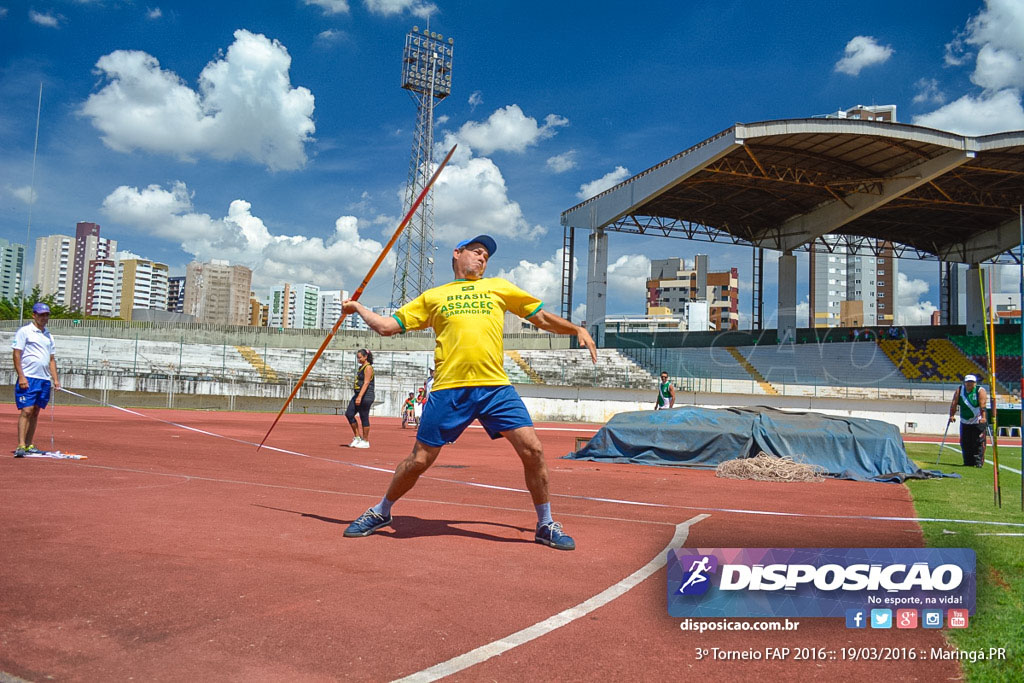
x=448 y=412
x=37 y=394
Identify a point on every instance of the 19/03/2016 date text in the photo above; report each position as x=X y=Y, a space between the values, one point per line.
x=846 y=654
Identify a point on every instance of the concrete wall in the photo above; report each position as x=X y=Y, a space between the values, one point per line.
x=589 y=404
x=258 y=337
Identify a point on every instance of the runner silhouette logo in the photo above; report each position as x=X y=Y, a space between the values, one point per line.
x=696 y=577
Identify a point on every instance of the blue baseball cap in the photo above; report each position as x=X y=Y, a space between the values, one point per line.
x=40 y=307
x=485 y=240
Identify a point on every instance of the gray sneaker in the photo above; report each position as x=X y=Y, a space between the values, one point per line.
x=20 y=452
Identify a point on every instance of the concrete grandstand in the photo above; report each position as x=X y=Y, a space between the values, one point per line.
x=557 y=383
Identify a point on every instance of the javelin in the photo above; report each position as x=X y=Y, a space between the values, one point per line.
x=359 y=291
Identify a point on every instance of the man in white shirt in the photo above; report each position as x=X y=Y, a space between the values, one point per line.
x=36 y=365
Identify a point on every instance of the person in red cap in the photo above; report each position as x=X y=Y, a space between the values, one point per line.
x=971 y=400
x=36 y=364
x=470 y=383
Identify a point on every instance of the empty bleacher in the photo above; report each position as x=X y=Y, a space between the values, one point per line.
x=927 y=369
x=939 y=361
x=1007 y=356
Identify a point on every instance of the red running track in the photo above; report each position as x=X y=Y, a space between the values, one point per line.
x=170 y=555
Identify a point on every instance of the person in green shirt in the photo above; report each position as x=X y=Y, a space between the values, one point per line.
x=971 y=400
x=666 y=393
x=409 y=411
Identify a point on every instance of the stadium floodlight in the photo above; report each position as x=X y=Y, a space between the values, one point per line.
x=426 y=64
x=427 y=75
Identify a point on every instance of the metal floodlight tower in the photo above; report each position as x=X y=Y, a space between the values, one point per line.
x=427 y=75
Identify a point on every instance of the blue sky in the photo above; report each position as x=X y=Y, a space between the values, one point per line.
x=276 y=134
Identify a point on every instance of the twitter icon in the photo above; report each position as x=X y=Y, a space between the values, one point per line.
x=881 y=618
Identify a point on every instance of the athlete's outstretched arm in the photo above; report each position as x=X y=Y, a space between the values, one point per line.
x=385 y=326
x=556 y=324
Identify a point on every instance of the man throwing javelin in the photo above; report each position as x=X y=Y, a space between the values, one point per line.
x=470 y=383
x=36 y=365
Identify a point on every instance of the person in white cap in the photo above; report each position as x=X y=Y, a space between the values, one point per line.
x=971 y=399
x=35 y=363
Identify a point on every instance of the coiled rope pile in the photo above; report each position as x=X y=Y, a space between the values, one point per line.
x=767 y=467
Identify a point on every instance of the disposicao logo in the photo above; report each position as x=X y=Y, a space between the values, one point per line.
x=697 y=580
x=817 y=582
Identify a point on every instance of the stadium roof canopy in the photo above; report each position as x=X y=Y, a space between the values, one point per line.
x=782 y=185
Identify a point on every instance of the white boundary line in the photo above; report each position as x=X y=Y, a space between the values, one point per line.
x=613 y=501
x=1004 y=467
x=497 y=647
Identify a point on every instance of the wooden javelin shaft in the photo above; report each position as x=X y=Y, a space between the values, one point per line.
x=359 y=290
x=985 y=311
x=997 y=490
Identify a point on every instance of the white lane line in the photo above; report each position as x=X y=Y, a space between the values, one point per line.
x=1003 y=467
x=614 y=501
x=185 y=478
x=493 y=649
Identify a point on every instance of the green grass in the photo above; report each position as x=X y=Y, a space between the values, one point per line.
x=999 y=617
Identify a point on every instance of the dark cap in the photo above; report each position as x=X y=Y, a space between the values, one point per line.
x=485 y=240
x=40 y=307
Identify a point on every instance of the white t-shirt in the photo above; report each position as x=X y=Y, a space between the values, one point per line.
x=36 y=348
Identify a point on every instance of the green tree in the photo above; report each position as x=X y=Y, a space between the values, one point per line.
x=9 y=308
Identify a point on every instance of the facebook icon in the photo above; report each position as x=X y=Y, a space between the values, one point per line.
x=856 y=618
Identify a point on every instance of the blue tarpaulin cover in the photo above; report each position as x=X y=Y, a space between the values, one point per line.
x=847 y=447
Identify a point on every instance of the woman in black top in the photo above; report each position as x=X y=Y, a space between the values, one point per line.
x=362 y=399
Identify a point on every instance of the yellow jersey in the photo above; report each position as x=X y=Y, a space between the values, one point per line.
x=468 y=317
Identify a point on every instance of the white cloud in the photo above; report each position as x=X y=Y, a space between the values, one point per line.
x=579 y=314
x=330 y=36
x=330 y=6
x=956 y=52
x=154 y=13
x=509 y=130
x=470 y=197
x=241 y=237
x=24 y=194
x=245 y=106
x=1007 y=279
x=48 y=20
x=610 y=179
x=860 y=52
x=560 y=163
x=3 y=12
x=627 y=277
x=910 y=310
x=998 y=32
x=391 y=7
x=475 y=99
x=928 y=92
x=803 y=313
x=980 y=115
x=543 y=280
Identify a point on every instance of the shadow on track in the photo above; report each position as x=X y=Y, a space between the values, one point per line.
x=417 y=527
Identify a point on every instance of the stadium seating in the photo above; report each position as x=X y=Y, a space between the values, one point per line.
x=931 y=360
x=888 y=369
x=1008 y=356
x=574 y=367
